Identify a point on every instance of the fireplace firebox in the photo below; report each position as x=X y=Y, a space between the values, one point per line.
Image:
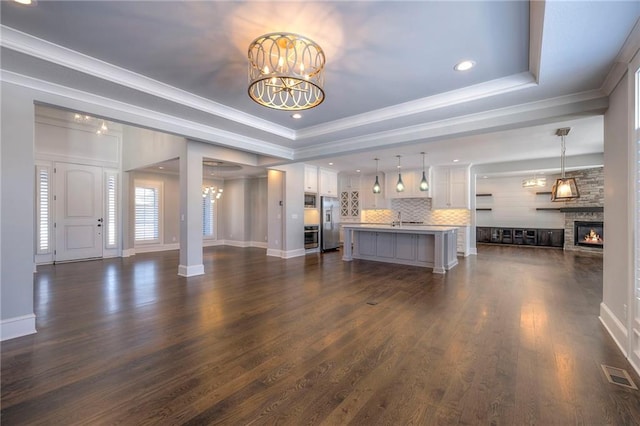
x=589 y=234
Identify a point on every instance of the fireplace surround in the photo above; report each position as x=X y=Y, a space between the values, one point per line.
x=588 y=234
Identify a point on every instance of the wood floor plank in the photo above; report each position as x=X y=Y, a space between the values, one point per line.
x=510 y=336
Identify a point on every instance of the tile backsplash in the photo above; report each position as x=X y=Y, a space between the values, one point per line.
x=417 y=210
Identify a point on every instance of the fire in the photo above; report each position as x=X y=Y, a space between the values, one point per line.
x=592 y=237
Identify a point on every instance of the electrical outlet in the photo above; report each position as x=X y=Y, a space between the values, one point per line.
x=624 y=310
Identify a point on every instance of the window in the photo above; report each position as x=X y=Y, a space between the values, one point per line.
x=111 y=210
x=209 y=197
x=43 y=205
x=147 y=208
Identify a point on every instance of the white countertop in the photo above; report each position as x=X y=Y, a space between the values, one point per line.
x=404 y=228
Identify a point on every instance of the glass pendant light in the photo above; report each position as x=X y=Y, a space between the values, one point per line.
x=424 y=185
x=376 y=186
x=400 y=184
x=564 y=188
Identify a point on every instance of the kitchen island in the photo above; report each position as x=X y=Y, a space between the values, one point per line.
x=428 y=246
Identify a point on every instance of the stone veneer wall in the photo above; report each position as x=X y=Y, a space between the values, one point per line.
x=590 y=184
x=418 y=210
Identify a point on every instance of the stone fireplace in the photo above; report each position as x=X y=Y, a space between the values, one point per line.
x=588 y=209
x=588 y=234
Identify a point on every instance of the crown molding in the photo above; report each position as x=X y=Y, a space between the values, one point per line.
x=593 y=100
x=629 y=49
x=442 y=100
x=78 y=100
x=536 y=27
x=50 y=52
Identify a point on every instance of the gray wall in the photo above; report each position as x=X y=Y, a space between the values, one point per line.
x=258 y=209
x=618 y=261
x=17 y=201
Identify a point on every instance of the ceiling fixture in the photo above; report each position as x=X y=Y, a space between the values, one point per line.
x=286 y=71
x=564 y=188
x=400 y=184
x=424 y=185
x=213 y=192
x=296 y=116
x=534 y=182
x=87 y=119
x=25 y=2
x=376 y=186
x=464 y=65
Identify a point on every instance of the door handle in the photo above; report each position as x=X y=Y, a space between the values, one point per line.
x=99 y=225
x=100 y=220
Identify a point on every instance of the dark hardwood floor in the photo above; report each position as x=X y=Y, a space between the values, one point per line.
x=508 y=337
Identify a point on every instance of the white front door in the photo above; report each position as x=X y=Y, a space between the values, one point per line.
x=78 y=212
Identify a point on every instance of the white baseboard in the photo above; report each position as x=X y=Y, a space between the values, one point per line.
x=155 y=248
x=473 y=251
x=293 y=253
x=212 y=243
x=236 y=243
x=128 y=252
x=616 y=329
x=17 y=327
x=274 y=252
x=259 y=244
x=190 y=270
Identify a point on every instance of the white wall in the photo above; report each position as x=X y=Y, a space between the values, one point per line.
x=617 y=253
x=142 y=147
x=514 y=206
x=234 y=212
x=258 y=211
x=17 y=219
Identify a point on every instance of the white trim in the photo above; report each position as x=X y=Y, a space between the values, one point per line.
x=190 y=270
x=616 y=329
x=624 y=57
x=502 y=118
x=288 y=254
x=536 y=28
x=274 y=252
x=129 y=252
x=11 y=328
x=442 y=100
x=212 y=243
x=473 y=251
x=25 y=43
x=77 y=99
x=236 y=243
x=152 y=248
x=258 y=244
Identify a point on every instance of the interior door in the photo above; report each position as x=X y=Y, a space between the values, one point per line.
x=78 y=212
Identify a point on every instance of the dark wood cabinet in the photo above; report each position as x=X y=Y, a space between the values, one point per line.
x=551 y=237
x=483 y=234
x=521 y=236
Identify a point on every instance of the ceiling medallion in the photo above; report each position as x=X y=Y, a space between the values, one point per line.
x=286 y=72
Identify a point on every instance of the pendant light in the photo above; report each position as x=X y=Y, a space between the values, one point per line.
x=424 y=185
x=564 y=188
x=376 y=186
x=400 y=184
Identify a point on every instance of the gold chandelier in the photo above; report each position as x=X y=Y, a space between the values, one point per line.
x=286 y=72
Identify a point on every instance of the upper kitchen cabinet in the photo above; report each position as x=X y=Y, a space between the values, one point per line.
x=310 y=178
x=369 y=200
x=348 y=182
x=451 y=187
x=328 y=183
x=411 y=180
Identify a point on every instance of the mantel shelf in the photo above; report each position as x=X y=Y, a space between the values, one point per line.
x=484 y=195
x=543 y=193
x=550 y=209
x=582 y=209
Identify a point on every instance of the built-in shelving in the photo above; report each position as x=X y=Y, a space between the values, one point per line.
x=582 y=209
x=543 y=193
x=483 y=210
x=550 y=209
x=484 y=195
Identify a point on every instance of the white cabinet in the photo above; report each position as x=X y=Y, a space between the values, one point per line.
x=348 y=182
x=411 y=180
x=310 y=178
x=328 y=183
x=451 y=187
x=369 y=200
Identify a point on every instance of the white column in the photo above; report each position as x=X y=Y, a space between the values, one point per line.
x=190 y=213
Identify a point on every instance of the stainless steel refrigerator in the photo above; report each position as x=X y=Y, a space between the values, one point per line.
x=329 y=223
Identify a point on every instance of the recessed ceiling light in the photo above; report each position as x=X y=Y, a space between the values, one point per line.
x=160 y=167
x=358 y=171
x=464 y=65
x=26 y=2
x=331 y=164
x=296 y=116
x=456 y=160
